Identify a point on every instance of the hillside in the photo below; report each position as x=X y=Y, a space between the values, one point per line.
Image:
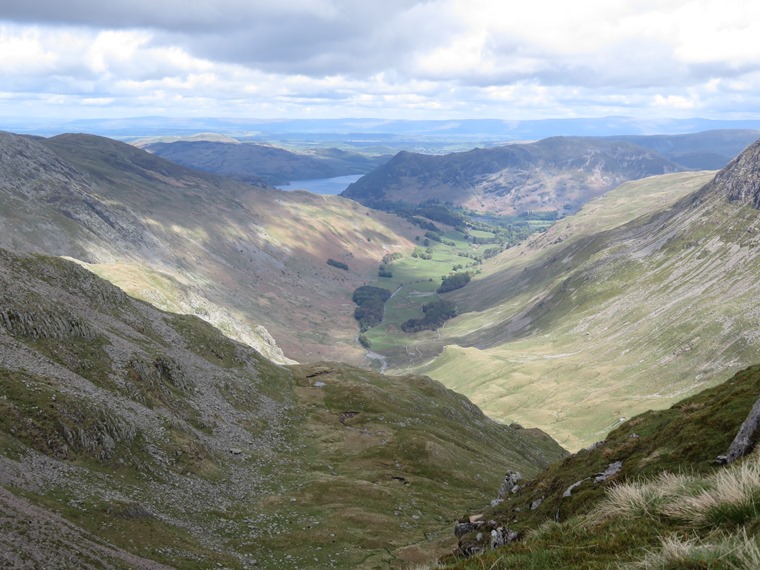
x=651 y=495
x=558 y=174
x=258 y=162
x=134 y=438
x=586 y=326
x=249 y=259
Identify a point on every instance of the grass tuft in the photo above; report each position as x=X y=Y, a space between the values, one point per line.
x=739 y=552
x=732 y=498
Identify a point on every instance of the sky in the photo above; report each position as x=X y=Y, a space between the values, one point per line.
x=391 y=59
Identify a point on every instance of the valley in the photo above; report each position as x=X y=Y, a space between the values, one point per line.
x=202 y=371
x=576 y=332
x=159 y=439
x=359 y=285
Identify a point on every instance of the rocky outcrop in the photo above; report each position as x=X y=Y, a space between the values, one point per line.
x=739 y=181
x=477 y=535
x=42 y=324
x=162 y=370
x=509 y=484
x=746 y=438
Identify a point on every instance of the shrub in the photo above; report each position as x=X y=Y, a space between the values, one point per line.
x=338 y=264
x=364 y=341
x=391 y=257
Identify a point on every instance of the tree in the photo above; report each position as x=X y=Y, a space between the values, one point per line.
x=452 y=282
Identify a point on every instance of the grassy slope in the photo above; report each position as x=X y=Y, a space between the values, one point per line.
x=159 y=436
x=236 y=255
x=565 y=331
x=619 y=520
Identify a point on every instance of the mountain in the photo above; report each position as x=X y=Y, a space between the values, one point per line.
x=364 y=128
x=249 y=259
x=257 y=162
x=553 y=175
x=601 y=318
x=708 y=150
x=135 y=438
x=651 y=495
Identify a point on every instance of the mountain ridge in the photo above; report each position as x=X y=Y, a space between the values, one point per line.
x=555 y=174
x=199 y=243
x=259 y=163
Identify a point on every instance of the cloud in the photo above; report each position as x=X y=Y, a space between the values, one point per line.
x=395 y=58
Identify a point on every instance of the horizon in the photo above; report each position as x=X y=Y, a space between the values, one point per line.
x=472 y=129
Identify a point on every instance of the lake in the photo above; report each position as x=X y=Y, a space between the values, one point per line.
x=323 y=185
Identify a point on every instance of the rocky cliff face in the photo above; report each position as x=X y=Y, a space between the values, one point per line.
x=740 y=180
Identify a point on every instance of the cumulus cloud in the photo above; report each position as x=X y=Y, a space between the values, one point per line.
x=395 y=58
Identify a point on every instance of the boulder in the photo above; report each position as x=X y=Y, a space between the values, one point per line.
x=745 y=438
x=509 y=483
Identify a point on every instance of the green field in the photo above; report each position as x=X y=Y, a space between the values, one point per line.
x=414 y=283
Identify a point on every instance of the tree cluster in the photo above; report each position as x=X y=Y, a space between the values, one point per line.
x=452 y=282
x=371 y=302
x=436 y=314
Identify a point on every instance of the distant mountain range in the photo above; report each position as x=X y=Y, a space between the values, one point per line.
x=708 y=150
x=383 y=129
x=258 y=163
x=557 y=174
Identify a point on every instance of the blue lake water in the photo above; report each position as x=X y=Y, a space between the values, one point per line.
x=323 y=185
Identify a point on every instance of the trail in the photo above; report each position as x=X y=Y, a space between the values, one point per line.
x=385 y=306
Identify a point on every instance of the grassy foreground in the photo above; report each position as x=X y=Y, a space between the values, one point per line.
x=669 y=507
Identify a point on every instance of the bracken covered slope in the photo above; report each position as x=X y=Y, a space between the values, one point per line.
x=249 y=259
x=138 y=438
